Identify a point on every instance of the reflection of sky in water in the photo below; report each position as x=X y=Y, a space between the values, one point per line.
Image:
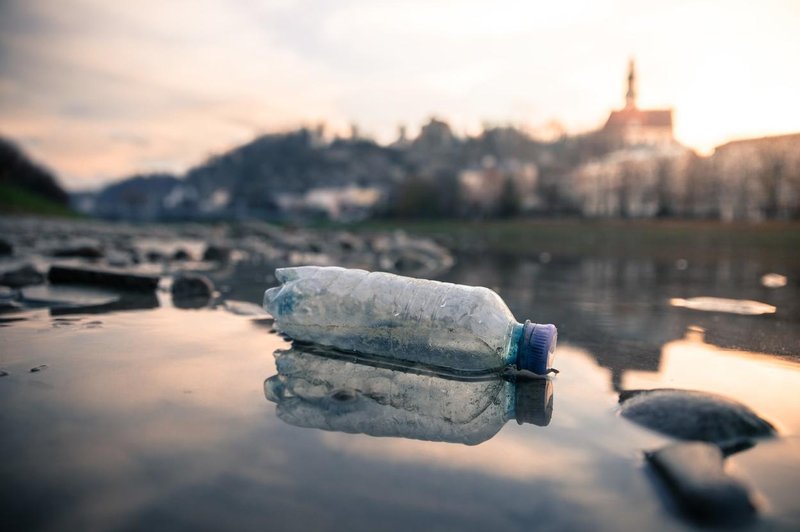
x=159 y=416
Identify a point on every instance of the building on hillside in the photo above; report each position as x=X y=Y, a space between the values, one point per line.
x=759 y=178
x=499 y=188
x=631 y=126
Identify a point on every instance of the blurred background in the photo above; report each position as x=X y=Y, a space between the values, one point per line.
x=301 y=111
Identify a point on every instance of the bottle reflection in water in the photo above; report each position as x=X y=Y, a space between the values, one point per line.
x=325 y=389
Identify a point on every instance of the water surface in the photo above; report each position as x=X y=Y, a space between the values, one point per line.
x=157 y=418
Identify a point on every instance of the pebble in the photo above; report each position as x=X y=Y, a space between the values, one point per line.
x=190 y=290
x=23 y=276
x=693 y=415
x=216 y=253
x=37 y=369
x=181 y=255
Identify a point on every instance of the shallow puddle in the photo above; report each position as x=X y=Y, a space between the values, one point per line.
x=158 y=417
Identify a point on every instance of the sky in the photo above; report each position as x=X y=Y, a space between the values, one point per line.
x=97 y=90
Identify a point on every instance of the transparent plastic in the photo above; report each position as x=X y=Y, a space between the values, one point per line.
x=417 y=320
x=323 y=390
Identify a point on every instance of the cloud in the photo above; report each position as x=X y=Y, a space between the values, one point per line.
x=77 y=77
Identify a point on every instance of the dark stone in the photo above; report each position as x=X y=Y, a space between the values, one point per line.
x=118 y=279
x=692 y=415
x=181 y=254
x=154 y=256
x=695 y=476
x=3 y=373
x=23 y=276
x=190 y=290
x=85 y=251
x=214 y=253
x=5 y=247
x=37 y=369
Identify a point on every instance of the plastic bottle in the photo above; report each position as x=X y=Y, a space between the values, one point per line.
x=440 y=324
x=316 y=387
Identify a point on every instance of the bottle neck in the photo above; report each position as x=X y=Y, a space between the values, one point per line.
x=517 y=330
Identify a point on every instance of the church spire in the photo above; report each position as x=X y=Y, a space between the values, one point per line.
x=630 y=96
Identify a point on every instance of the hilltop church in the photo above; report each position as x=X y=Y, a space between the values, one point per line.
x=632 y=126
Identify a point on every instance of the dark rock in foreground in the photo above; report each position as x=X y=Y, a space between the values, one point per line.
x=118 y=279
x=23 y=276
x=692 y=415
x=695 y=475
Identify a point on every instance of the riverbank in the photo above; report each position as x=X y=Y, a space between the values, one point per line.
x=687 y=239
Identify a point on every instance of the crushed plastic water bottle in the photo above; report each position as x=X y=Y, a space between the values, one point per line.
x=461 y=327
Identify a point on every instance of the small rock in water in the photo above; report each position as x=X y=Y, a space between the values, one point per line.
x=694 y=473
x=84 y=251
x=37 y=369
x=118 y=279
x=154 y=256
x=5 y=247
x=692 y=415
x=181 y=254
x=23 y=276
x=191 y=290
x=215 y=253
x=3 y=373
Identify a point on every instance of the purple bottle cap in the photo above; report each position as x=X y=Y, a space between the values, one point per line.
x=537 y=347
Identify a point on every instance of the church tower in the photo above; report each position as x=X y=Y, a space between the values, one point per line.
x=631 y=126
x=630 y=96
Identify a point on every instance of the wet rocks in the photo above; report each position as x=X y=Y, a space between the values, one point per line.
x=191 y=290
x=117 y=279
x=5 y=247
x=692 y=415
x=129 y=259
x=695 y=475
x=37 y=369
x=23 y=276
x=693 y=471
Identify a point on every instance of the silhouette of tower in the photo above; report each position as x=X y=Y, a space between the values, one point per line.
x=630 y=96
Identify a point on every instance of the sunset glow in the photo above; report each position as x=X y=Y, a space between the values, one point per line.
x=100 y=90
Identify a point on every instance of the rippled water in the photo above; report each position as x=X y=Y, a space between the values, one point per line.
x=158 y=418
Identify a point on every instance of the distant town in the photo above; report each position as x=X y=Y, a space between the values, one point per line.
x=631 y=167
